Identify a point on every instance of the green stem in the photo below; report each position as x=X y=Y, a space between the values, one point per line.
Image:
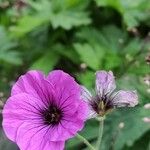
x=101 y=128
x=85 y=141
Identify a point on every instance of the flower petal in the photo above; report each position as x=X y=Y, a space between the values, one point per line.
x=85 y=94
x=55 y=146
x=18 y=110
x=105 y=83
x=31 y=83
x=66 y=90
x=71 y=123
x=35 y=137
x=23 y=124
x=125 y=98
x=63 y=83
x=68 y=127
x=87 y=97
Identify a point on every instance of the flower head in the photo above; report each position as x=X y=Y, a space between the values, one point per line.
x=106 y=99
x=43 y=112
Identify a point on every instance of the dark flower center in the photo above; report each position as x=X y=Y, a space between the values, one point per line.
x=52 y=115
x=101 y=105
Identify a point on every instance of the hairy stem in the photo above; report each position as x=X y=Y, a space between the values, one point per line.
x=85 y=141
x=101 y=128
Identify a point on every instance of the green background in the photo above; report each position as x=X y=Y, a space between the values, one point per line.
x=81 y=37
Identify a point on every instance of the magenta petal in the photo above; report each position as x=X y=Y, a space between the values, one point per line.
x=64 y=100
x=75 y=123
x=66 y=90
x=18 y=110
x=67 y=129
x=82 y=114
x=70 y=124
x=31 y=83
x=63 y=83
x=43 y=112
x=23 y=124
x=125 y=98
x=55 y=146
x=105 y=83
x=36 y=137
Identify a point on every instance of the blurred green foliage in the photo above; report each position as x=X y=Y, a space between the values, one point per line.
x=82 y=37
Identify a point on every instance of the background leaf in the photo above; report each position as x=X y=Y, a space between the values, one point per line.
x=81 y=37
x=46 y=62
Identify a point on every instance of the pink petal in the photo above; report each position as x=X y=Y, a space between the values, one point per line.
x=71 y=123
x=86 y=96
x=35 y=137
x=55 y=146
x=105 y=83
x=63 y=83
x=31 y=83
x=82 y=110
x=23 y=124
x=66 y=90
x=18 y=110
x=67 y=129
x=125 y=98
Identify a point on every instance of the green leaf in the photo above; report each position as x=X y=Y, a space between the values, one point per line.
x=67 y=52
x=65 y=14
x=142 y=143
x=106 y=3
x=87 y=78
x=112 y=60
x=139 y=66
x=7 y=54
x=131 y=11
x=89 y=55
x=105 y=47
x=10 y=57
x=28 y=23
x=134 y=127
x=132 y=47
x=73 y=12
x=46 y=63
x=108 y=37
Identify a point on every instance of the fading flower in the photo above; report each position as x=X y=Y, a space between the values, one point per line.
x=43 y=112
x=106 y=99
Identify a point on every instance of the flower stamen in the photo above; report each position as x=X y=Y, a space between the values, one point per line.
x=52 y=115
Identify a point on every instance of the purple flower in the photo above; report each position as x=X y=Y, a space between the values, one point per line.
x=43 y=112
x=106 y=99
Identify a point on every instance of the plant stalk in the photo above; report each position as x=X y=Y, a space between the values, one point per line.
x=85 y=141
x=101 y=128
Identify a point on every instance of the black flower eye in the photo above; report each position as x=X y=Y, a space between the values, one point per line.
x=52 y=115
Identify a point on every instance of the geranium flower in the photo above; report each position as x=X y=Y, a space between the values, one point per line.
x=43 y=112
x=105 y=98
